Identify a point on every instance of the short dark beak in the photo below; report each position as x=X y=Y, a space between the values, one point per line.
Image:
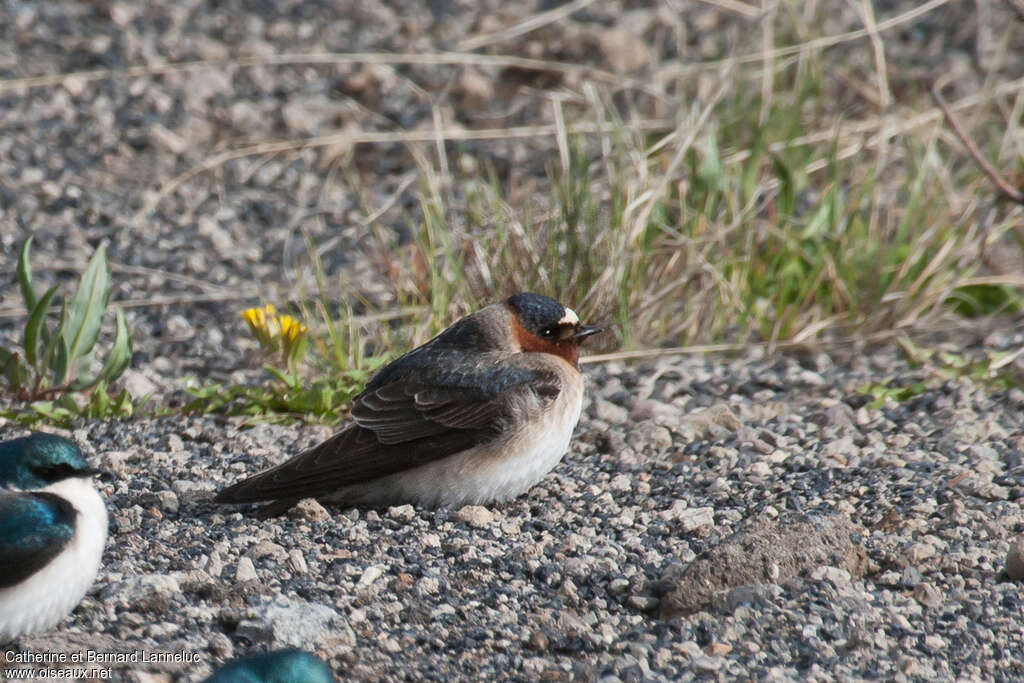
x=585 y=331
x=104 y=475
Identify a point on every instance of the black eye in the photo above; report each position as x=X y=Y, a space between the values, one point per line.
x=54 y=472
x=547 y=332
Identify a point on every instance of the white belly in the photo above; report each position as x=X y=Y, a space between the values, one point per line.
x=493 y=472
x=42 y=600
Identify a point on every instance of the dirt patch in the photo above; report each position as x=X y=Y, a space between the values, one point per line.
x=768 y=551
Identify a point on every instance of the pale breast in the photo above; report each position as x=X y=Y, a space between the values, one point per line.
x=43 y=600
x=496 y=471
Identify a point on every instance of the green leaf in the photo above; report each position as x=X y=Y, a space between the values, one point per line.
x=13 y=370
x=36 y=319
x=68 y=402
x=52 y=357
x=289 y=380
x=99 y=402
x=44 y=408
x=786 y=201
x=749 y=176
x=117 y=360
x=710 y=169
x=61 y=362
x=17 y=376
x=121 y=352
x=81 y=379
x=28 y=292
x=978 y=300
x=122 y=405
x=822 y=219
x=86 y=311
x=296 y=351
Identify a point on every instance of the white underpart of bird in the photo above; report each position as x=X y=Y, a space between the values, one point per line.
x=496 y=471
x=44 y=599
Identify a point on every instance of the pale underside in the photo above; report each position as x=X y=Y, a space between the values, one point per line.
x=42 y=600
x=495 y=471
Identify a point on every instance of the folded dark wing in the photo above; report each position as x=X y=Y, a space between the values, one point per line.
x=430 y=413
x=34 y=528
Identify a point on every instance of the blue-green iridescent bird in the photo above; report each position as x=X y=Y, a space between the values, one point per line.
x=53 y=526
x=282 y=666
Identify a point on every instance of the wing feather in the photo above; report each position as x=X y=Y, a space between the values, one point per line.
x=34 y=528
x=428 y=413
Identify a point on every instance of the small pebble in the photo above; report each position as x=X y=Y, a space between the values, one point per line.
x=475 y=516
x=1015 y=559
x=245 y=570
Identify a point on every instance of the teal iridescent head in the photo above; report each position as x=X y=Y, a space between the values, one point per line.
x=282 y=666
x=38 y=460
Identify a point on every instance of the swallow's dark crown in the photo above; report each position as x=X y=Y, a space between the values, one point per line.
x=40 y=459
x=536 y=312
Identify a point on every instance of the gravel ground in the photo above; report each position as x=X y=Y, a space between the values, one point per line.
x=885 y=535
x=715 y=518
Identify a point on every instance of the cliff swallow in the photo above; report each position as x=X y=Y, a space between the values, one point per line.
x=479 y=413
x=53 y=526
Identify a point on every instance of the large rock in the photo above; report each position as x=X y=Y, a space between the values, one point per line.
x=296 y=623
x=767 y=552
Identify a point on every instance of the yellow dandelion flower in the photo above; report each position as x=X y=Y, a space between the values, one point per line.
x=253 y=316
x=293 y=338
x=263 y=325
x=277 y=333
x=289 y=327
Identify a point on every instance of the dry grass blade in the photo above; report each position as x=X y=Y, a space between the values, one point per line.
x=19 y=311
x=392 y=199
x=355 y=138
x=140 y=270
x=168 y=275
x=315 y=58
x=526 y=26
x=645 y=202
x=746 y=10
x=824 y=41
x=701 y=349
x=1007 y=190
x=1010 y=280
x=1012 y=144
x=885 y=127
x=768 y=63
x=439 y=139
x=878 y=47
x=449 y=58
x=561 y=136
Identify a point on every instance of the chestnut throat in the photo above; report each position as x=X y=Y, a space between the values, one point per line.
x=568 y=349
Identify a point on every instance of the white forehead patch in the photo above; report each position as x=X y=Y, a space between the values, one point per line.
x=570 y=317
